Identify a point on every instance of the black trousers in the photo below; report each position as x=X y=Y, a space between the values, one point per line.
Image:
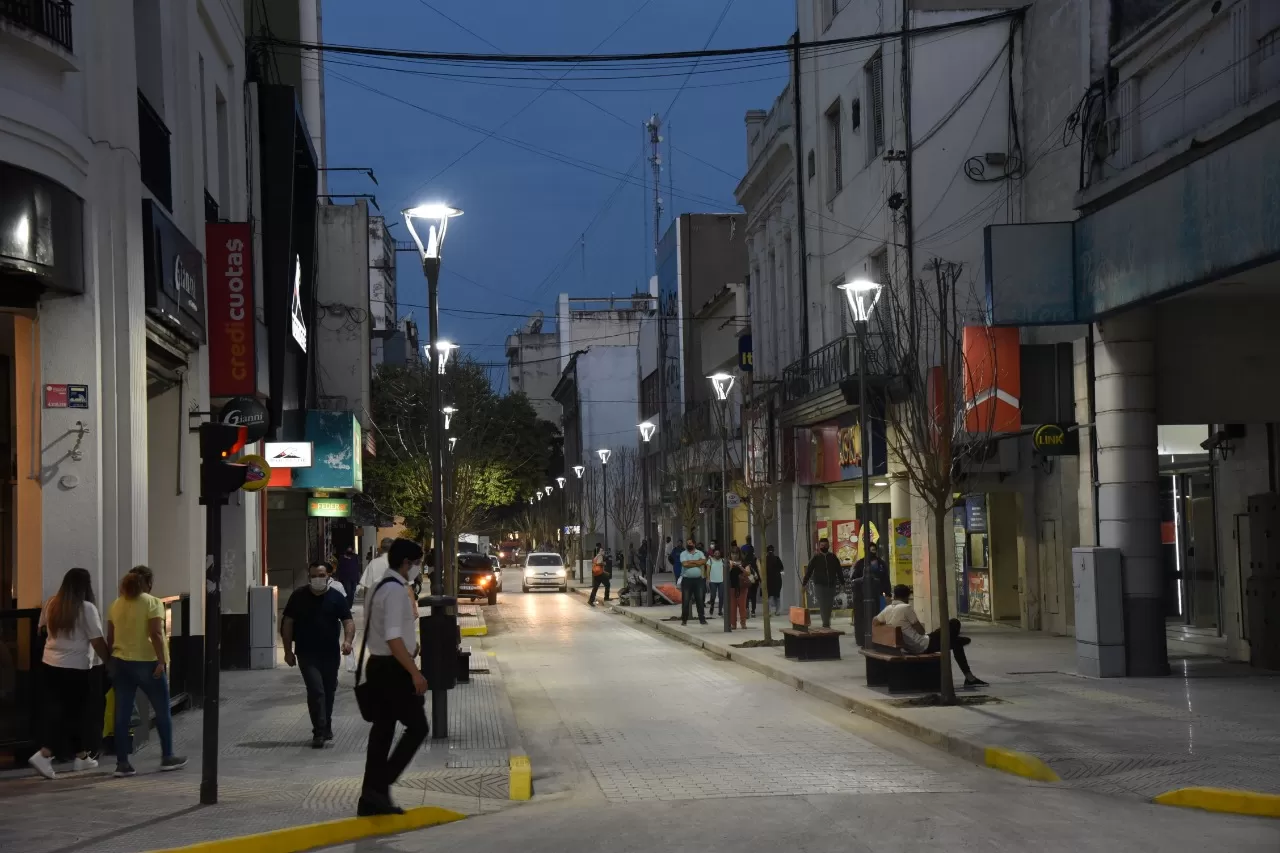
x=596 y=582
x=693 y=591
x=320 y=675
x=394 y=687
x=957 y=645
x=66 y=705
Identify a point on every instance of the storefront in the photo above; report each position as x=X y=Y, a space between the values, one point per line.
x=988 y=556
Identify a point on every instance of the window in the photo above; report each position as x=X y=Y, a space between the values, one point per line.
x=880 y=268
x=835 y=166
x=855 y=115
x=875 y=92
x=831 y=8
x=813 y=165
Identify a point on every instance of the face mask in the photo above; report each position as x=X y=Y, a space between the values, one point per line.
x=414 y=572
x=319 y=584
x=823 y=548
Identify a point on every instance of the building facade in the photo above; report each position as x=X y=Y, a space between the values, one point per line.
x=533 y=367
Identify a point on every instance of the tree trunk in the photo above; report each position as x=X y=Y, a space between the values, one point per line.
x=947 y=685
x=762 y=565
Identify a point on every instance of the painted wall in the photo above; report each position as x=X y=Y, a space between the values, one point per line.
x=340 y=329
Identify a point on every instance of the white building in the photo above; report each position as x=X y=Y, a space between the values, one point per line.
x=533 y=367
x=382 y=285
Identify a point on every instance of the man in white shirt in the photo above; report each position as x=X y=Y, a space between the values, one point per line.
x=377 y=568
x=394 y=679
x=900 y=614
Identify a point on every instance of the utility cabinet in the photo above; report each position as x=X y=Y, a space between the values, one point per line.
x=1099 y=597
x=262 y=627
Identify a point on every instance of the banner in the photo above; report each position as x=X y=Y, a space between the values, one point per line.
x=232 y=355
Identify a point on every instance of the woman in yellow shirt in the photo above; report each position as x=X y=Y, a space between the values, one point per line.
x=135 y=633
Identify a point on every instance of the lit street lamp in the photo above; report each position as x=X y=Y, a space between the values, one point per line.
x=438 y=629
x=550 y=489
x=863 y=296
x=604 y=454
x=722 y=384
x=579 y=470
x=444 y=348
x=647 y=429
x=453 y=440
x=560 y=482
x=449 y=412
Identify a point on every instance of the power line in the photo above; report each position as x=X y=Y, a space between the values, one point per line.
x=715 y=29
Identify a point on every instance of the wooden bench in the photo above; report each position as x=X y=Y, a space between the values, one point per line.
x=811 y=644
x=890 y=665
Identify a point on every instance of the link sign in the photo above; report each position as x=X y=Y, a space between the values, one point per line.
x=1056 y=440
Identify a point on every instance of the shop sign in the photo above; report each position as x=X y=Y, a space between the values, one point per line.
x=298 y=319
x=571 y=529
x=246 y=412
x=731 y=500
x=975 y=514
x=172 y=274
x=744 y=354
x=232 y=354
x=338 y=452
x=66 y=396
x=1056 y=440
x=288 y=454
x=328 y=507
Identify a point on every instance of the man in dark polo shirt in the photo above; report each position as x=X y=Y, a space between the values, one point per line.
x=315 y=619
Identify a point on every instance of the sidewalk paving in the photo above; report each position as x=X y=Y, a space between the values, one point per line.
x=1213 y=723
x=269 y=777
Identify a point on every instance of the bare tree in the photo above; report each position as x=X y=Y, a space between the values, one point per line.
x=591 y=502
x=936 y=442
x=755 y=480
x=626 y=500
x=689 y=465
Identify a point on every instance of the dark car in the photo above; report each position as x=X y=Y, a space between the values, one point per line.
x=476 y=578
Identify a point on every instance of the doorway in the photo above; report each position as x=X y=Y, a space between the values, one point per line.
x=1193 y=576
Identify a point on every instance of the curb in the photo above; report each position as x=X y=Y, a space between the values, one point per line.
x=479 y=630
x=997 y=758
x=1223 y=800
x=519 y=768
x=311 y=836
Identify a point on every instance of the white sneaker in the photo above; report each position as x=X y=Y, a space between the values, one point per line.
x=84 y=764
x=43 y=765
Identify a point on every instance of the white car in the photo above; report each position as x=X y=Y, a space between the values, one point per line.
x=545 y=571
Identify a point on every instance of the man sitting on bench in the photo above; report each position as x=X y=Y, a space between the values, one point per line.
x=900 y=614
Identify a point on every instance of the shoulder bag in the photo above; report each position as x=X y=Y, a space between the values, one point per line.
x=366 y=695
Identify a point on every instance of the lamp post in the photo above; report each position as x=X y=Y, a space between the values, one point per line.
x=579 y=470
x=647 y=429
x=862 y=295
x=722 y=384
x=440 y=628
x=443 y=348
x=604 y=454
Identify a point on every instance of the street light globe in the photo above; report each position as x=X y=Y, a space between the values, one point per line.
x=604 y=454
x=647 y=429
x=433 y=221
x=449 y=412
x=862 y=294
x=722 y=383
x=578 y=469
x=560 y=482
x=453 y=440
x=444 y=348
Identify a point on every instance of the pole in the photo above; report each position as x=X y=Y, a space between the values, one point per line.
x=724 y=518
x=582 y=491
x=648 y=568
x=908 y=225
x=868 y=589
x=605 y=508
x=438 y=600
x=212 y=651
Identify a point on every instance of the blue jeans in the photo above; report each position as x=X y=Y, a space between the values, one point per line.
x=716 y=591
x=130 y=676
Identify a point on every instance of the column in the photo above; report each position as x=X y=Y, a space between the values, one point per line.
x=1128 y=504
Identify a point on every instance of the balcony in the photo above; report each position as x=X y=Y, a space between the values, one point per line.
x=822 y=371
x=153 y=151
x=49 y=18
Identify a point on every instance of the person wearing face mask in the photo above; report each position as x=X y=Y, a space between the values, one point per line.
x=314 y=617
x=395 y=683
x=825 y=572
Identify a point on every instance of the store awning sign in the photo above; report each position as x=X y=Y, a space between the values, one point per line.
x=247 y=412
x=289 y=454
x=1056 y=440
x=232 y=352
x=329 y=507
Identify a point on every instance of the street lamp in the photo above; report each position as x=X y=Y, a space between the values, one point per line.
x=449 y=412
x=863 y=295
x=722 y=384
x=453 y=440
x=439 y=627
x=579 y=470
x=604 y=453
x=444 y=348
x=560 y=482
x=550 y=489
x=647 y=429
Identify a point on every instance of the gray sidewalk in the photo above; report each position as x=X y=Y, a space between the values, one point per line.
x=270 y=778
x=1212 y=723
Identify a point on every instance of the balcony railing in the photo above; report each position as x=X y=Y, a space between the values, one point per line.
x=827 y=367
x=153 y=150
x=49 y=18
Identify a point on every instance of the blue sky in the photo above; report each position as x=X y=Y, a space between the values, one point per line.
x=518 y=244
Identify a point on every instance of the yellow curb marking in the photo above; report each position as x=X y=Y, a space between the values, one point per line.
x=1223 y=800
x=294 y=839
x=475 y=631
x=1019 y=764
x=521 y=784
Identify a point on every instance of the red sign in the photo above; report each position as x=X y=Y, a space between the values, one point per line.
x=55 y=396
x=232 y=359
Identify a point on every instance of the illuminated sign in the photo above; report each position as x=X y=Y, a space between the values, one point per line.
x=295 y=311
x=288 y=454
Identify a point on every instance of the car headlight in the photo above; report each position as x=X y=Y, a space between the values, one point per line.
x=529 y=571
x=559 y=573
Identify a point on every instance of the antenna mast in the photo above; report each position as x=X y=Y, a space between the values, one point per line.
x=654 y=125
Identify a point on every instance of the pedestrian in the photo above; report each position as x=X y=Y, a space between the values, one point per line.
x=348 y=574
x=74 y=639
x=631 y=558
x=900 y=614
x=881 y=589
x=135 y=633
x=693 y=563
x=827 y=576
x=315 y=617
x=599 y=574
x=739 y=587
x=752 y=566
x=773 y=576
x=673 y=557
x=643 y=556
x=395 y=683
x=376 y=569
x=715 y=582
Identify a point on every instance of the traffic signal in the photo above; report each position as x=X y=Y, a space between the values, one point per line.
x=219 y=477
